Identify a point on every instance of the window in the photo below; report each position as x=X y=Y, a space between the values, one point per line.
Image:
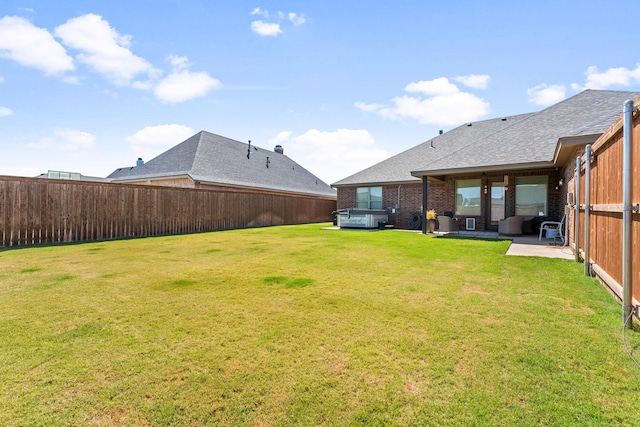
x=369 y=198
x=468 y=197
x=63 y=175
x=531 y=195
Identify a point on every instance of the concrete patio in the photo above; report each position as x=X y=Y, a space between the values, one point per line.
x=525 y=245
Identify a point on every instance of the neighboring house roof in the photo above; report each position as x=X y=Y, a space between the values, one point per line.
x=214 y=159
x=515 y=142
x=71 y=176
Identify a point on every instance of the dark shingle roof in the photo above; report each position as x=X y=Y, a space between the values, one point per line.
x=211 y=158
x=397 y=169
x=498 y=143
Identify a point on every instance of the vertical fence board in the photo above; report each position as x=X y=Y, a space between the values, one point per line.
x=606 y=189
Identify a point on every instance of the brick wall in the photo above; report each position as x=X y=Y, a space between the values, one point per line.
x=441 y=196
x=346 y=197
x=569 y=187
x=408 y=197
x=409 y=202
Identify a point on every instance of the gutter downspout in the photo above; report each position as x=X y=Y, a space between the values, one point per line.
x=587 y=210
x=576 y=225
x=627 y=294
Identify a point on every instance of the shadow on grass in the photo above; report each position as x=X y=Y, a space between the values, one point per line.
x=115 y=239
x=479 y=238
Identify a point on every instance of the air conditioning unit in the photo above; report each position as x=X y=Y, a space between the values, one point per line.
x=471 y=224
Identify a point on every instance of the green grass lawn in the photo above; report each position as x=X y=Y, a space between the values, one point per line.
x=297 y=325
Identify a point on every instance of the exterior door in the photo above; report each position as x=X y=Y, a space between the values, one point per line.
x=495 y=204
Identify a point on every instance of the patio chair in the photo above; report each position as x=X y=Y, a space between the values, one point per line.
x=447 y=224
x=511 y=225
x=553 y=229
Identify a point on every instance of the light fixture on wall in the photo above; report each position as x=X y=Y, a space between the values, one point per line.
x=561 y=182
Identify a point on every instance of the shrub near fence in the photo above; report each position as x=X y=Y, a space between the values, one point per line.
x=36 y=211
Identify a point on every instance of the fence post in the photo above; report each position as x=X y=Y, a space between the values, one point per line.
x=576 y=225
x=627 y=292
x=587 y=209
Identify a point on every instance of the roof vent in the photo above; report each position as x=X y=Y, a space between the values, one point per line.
x=504 y=119
x=279 y=149
x=469 y=124
x=440 y=132
x=139 y=162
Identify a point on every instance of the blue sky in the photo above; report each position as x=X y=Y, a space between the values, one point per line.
x=90 y=86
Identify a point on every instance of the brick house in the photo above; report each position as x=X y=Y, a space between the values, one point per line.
x=488 y=170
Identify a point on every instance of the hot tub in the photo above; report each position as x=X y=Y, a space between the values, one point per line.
x=361 y=218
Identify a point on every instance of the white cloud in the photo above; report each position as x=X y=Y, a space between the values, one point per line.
x=265 y=29
x=621 y=76
x=182 y=85
x=546 y=95
x=436 y=87
x=367 y=107
x=296 y=19
x=281 y=137
x=103 y=49
x=332 y=155
x=447 y=110
x=66 y=140
x=185 y=85
x=178 y=62
x=31 y=46
x=271 y=29
x=258 y=11
x=476 y=81
x=153 y=140
x=4 y=111
x=441 y=103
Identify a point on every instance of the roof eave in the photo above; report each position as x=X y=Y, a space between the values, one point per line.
x=150 y=177
x=269 y=189
x=567 y=145
x=480 y=169
x=375 y=183
x=225 y=184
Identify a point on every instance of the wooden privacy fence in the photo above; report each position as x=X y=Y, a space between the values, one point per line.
x=605 y=214
x=36 y=211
